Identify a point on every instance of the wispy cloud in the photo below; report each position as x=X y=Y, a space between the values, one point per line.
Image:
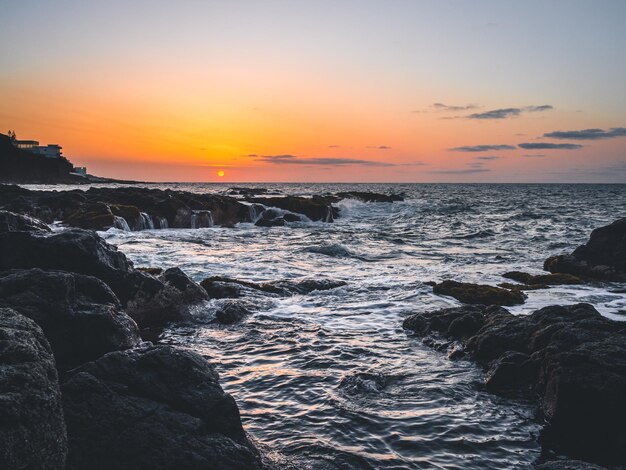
x=380 y=147
x=487 y=158
x=534 y=155
x=334 y=146
x=415 y=163
x=548 y=146
x=588 y=134
x=322 y=161
x=482 y=148
x=504 y=113
x=453 y=108
x=496 y=114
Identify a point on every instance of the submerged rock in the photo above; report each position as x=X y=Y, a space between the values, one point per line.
x=80 y=316
x=231 y=311
x=314 y=208
x=603 y=257
x=571 y=357
x=10 y=222
x=156 y=408
x=479 y=293
x=219 y=287
x=542 y=279
x=32 y=428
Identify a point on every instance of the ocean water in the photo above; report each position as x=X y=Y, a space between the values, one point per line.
x=330 y=379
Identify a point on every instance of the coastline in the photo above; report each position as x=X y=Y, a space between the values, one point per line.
x=137 y=303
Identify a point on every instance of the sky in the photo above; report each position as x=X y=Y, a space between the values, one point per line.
x=321 y=91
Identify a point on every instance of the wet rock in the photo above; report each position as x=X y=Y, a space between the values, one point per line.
x=571 y=357
x=314 y=209
x=219 y=287
x=568 y=464
x=93 y=216
x=365 y=196
x=289 y=217
x=231 y=311
x=479 y=293
x=10 y=222
x=603 y=257
x=542 y=279
x=32 y=428
x=158 y=300
x=157 y=407
x=80 y=316
x=278 y=222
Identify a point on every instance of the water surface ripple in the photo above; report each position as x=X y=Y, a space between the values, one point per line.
x=331 y=378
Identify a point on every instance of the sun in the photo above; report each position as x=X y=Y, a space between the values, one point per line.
x=220 y=173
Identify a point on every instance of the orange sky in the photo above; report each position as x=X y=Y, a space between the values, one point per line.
x=344 y=102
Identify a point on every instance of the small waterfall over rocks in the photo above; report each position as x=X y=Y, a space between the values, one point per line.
x=121 y=224
x=147 y=221
x=159 y=222
x=200 y=219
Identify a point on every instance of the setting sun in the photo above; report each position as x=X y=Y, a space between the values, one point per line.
x=220 y=173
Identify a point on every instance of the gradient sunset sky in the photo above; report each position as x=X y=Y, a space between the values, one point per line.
x=406 y=91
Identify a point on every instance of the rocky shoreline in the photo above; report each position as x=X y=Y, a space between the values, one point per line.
x=84 y=387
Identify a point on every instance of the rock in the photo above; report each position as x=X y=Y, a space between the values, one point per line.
x=279 y=222
x=32 y=428
x=369 y=197
x=219 y=287
x=154 y=301
x=10 y=222
x=149 y=300
x=231 y=312
x=80 y=316
x=542 y=279
x=313 y=208
x=156 y=408
x=479 y=293
x=568 y=464
x=289 y=217
x=571 y=357
x=93 y=216
x=603 y=257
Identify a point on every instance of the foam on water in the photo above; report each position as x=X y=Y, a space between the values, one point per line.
x=331 y=376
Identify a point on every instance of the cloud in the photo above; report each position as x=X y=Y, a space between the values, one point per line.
x=496 y=114
x=467 y=171
x=588 y=134
x=415 y=163
x=488 y=158
x=322 y=161
x=548 y=146
x=453 y=108
x=482 y=148
x=380 y=147
x=334 y=146
x=504 y=113
x=536 y=109
x=535 y=155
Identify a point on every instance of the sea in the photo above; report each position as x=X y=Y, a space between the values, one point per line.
x=330 y=379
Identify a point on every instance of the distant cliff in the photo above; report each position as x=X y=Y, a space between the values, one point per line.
x=20 y=166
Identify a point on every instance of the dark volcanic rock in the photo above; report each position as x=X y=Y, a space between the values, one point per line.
x=479 y=293
x=158 y=300
x=92 y=216
x=571 y=357
x=154 y=408
x=313 y=208
x=10 y=222
x=149 y=300
x=219 y=287
x=370 y=197
x=603 y=257
x=231 y=311
x=542 y=279
x=80 y=315
x=32 y=429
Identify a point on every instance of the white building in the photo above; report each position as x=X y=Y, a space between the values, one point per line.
x=32 y=146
